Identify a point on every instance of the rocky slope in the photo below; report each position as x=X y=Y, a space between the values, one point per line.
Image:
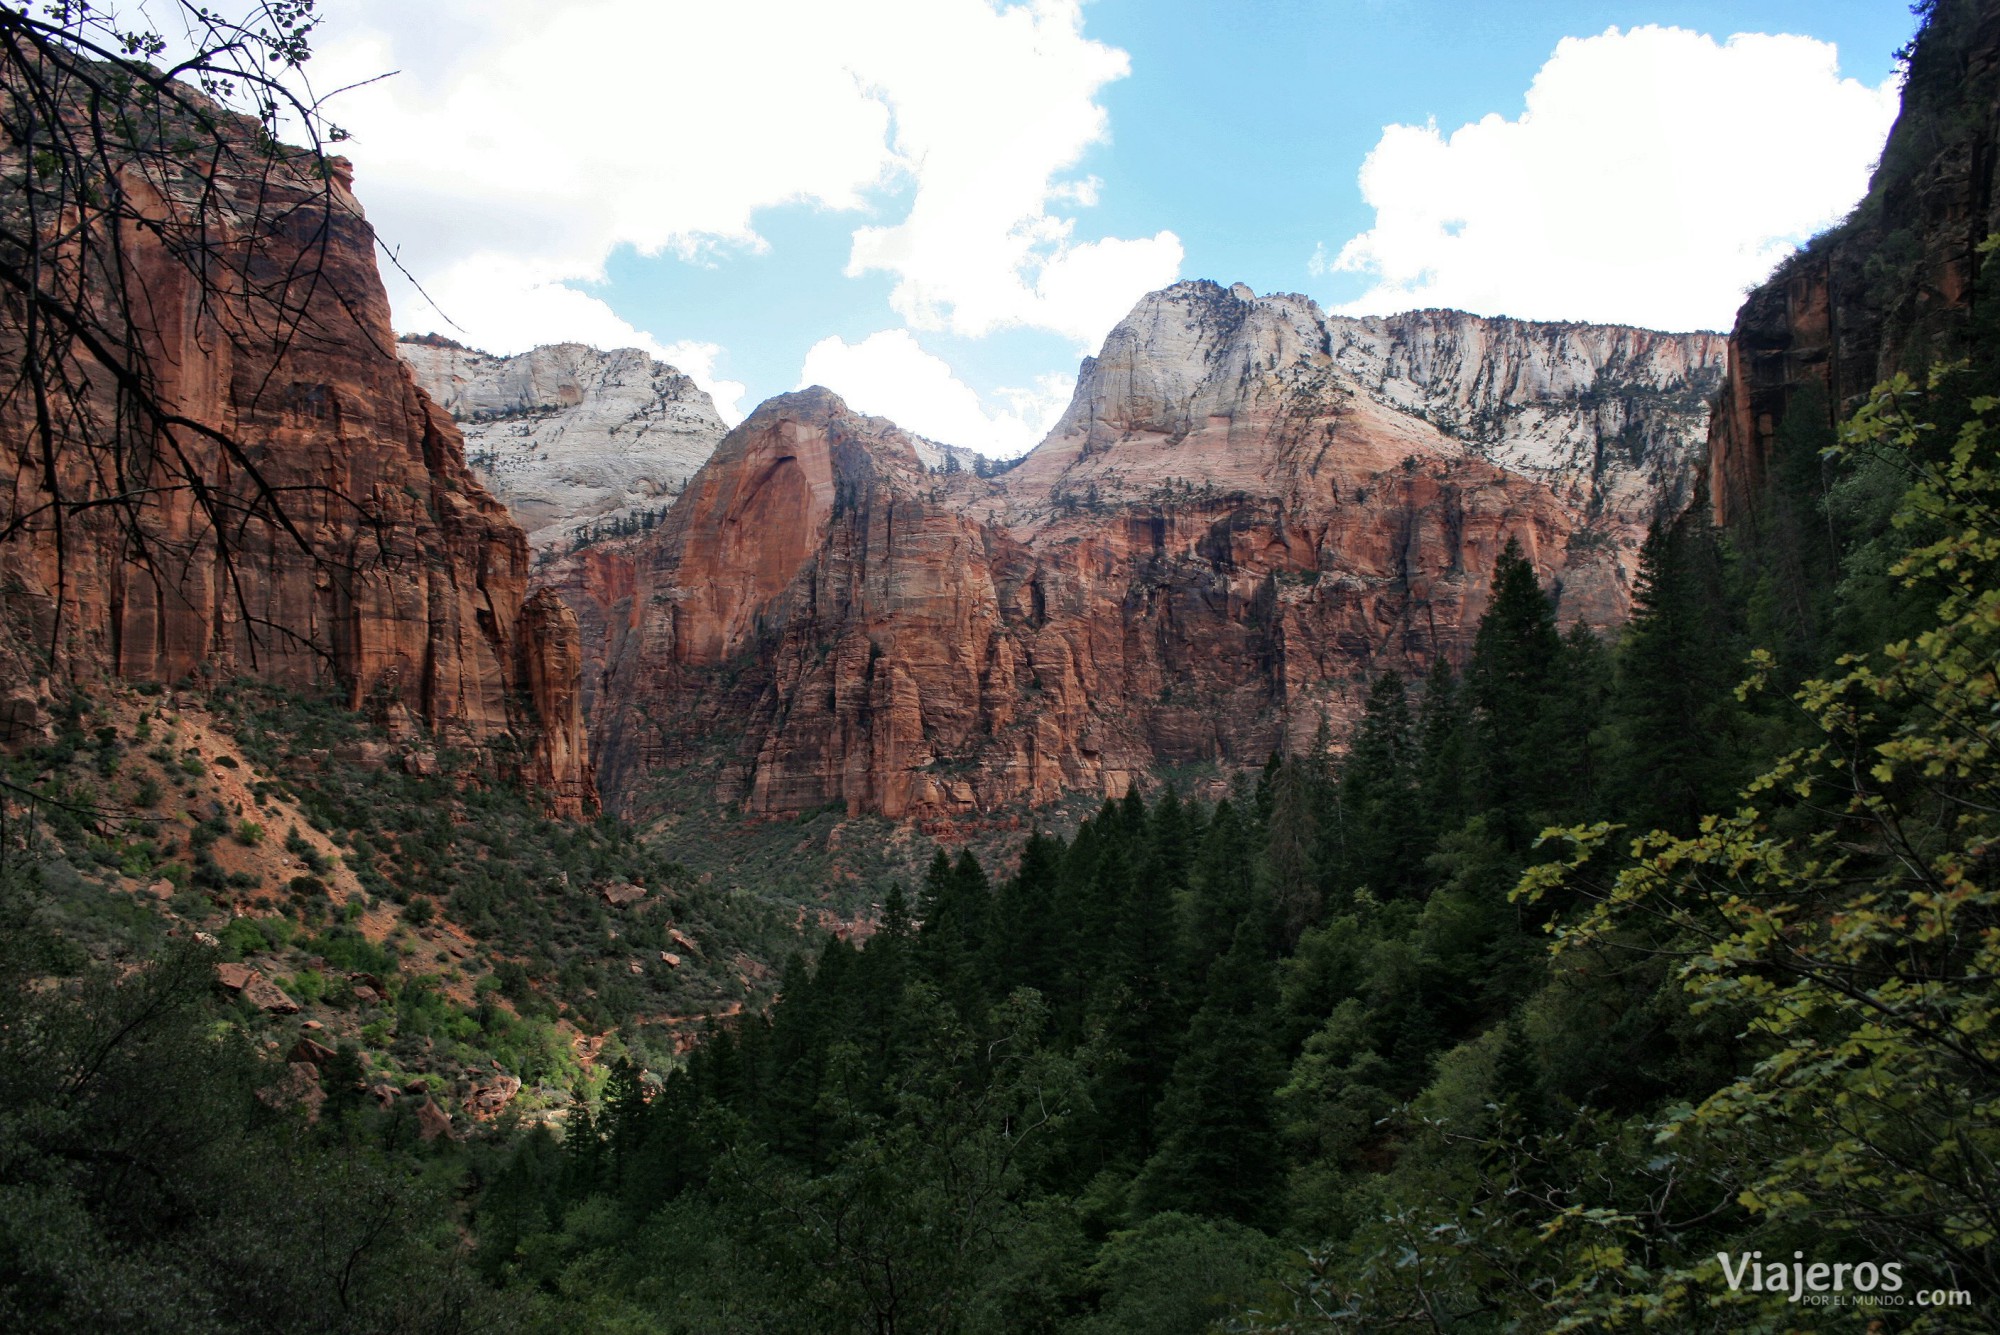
x=569 y=437
x=375 y=563
x=1894 y=287
x=1248 y=511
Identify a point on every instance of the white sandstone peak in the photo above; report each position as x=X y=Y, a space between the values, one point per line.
x=569 y=436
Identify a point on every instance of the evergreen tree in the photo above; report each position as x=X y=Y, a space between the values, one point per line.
x=1574 y=725
x=1026 y=951
x=956 y=907
x=1674 y=703
x=1382 y=835
x=1219 y=893
x=1292 y=885
x=1442 y=750
x=1219 y=1151
x=1141 y=1022
x=1512 y=682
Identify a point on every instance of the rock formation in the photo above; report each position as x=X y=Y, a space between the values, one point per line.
x=1893 y=287
x=362 y=556
x=1247 y=512
x=572 y=439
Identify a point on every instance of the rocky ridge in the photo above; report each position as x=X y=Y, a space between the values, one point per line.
x=1242 y=518
x=568 y=436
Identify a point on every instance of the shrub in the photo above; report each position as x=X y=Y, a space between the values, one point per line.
x=249 y=833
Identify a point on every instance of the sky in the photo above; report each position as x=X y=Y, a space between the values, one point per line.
x=937 y=207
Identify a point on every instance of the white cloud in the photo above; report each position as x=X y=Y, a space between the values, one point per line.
x=522 y=142
x=985 y=139
x=1643 y=183
x=888 y=374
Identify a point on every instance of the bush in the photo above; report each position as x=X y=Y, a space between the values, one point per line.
x=249 y=833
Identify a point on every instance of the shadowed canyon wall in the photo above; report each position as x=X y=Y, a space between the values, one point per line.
x=1899 y=284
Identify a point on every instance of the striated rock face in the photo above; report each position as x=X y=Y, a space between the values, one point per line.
x=567 y=435
x=1614 y=416
x=1242 y=518
x=1893 y=287
x=393 y=575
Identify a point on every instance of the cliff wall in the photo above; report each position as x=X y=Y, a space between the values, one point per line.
x=1896 y=286
x=362 y=556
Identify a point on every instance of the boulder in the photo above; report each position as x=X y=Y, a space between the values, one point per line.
x=432 y=1121
x=306 y=1050
x=299 y=1087
x=623 y=895
x=267 y=996
x=487 y=1099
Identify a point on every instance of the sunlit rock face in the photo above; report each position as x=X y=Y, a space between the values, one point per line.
x=1248 y=512
x=575 y=441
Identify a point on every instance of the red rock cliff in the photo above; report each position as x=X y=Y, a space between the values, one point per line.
x=1230 y=533
x=410 y=592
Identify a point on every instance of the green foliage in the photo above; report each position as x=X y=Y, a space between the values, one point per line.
x=1848 y=909
x=143 y=1187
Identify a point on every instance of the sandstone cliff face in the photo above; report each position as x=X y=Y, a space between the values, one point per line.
x=400 y=581
x=1892 y=288
x=567 y=435
x=1227 y=536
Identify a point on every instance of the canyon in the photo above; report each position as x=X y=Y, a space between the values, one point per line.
x=1249 y=511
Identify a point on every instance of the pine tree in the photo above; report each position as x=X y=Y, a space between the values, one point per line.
x=956 y=907
x=1382 y=835
x=1291 y=880
x=1512 y=683
x=1026 y=952
x=1441 y=750
x=1673 y=703
x=1219 y=894
x=1219 y=1151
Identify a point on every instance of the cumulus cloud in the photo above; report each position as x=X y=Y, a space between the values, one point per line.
x=980 y=249
x=522 y=142
x=889 y=374
x=1640 y=185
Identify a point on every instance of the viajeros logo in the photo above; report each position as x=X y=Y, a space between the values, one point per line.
x=1839 y=1283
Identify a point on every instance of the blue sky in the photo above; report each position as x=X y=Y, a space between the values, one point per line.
x=936 y=206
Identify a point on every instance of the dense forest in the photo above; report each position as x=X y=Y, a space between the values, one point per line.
x=1603 y=983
